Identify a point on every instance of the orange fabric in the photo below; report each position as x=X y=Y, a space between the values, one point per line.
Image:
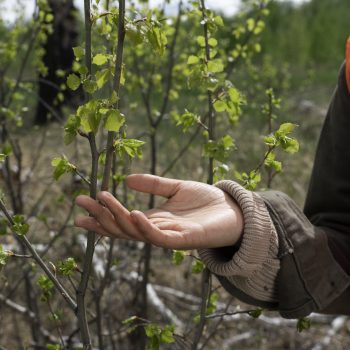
x=347 y=71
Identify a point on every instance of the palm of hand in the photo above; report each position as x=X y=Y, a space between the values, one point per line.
x=196 y=215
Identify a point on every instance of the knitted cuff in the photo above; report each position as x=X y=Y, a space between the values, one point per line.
x=254 y=267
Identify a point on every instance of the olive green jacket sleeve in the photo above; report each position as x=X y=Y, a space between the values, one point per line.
x=306 y=265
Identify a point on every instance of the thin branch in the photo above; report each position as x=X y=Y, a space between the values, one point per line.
x=205 y=290
x=90 y=246
x=116 y=88
x=39 y=261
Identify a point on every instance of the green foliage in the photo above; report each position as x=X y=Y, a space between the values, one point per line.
x=255 y=313
x=19 y=226
x=249 y=181
x=73 y=81
x=62 y=166
x=129 y=147
x=197 y=266
x=53 y=347
x=219 y=150
x=47 y=288
x=67 y=267
x=281 y=138
x=303 y=324
x=178 y=256
x=114 y=120
x=100 y=59
x=186 y=120
x=158 y=335
x=3 y=257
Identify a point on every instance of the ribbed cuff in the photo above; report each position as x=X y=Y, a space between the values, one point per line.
x=254 y=267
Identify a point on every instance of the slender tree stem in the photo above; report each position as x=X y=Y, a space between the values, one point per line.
x=39 y=261
x=116 y=88
x=211 y=131
x=91 y=236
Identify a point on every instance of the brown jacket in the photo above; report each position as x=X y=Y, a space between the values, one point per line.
x=288 y=260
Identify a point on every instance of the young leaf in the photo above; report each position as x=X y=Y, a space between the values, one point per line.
x=61 y=166
x=67 y=267
x=100 y=59
x=197 y=266
x=178 y=257
x=47 y=288
x=114 y=120
x=90 y=86
x=192 y=59
x=303 y=324
x=215 y=66
x=3 y=257
x=73 y=81
x=79 y=52
x=102 y=77
x=166 y=335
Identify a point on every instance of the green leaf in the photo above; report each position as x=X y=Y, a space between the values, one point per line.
x=102 y=77
x=285 y=129
x=53 y=347
x=290 y=145
x=197 y=266
x=67 y=267
x=89 y=115
x=255 y=313
x=250 y=24
x=152 y=329
x=201 y=40
x=47 y=288
x=79 y=52
x=192 y=59
x=303 y=324
x=215 y=66
x=166 y=335
x=134 y=34
x=90 y=86
x=73 y=81
x=212 y=42
x=114 y=120
x=186 y=120
x=178 y=257
x=157 y=39
x=270 y=141
x=19 y=226
x=130 y=147
x=220 y=106
x=3 y=257
x=61 y=166
x=100 y=59
x=219 y=21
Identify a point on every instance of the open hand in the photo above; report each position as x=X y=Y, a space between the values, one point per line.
x=195 y=215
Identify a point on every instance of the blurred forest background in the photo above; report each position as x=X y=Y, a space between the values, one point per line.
x=297 y=53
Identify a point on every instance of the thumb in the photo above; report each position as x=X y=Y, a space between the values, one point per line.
x=159 y=186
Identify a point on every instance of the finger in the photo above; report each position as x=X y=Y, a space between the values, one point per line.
x=156 y=185
x=161 y=238
x=120 y=213
x=90 y=224
x=101 y=214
